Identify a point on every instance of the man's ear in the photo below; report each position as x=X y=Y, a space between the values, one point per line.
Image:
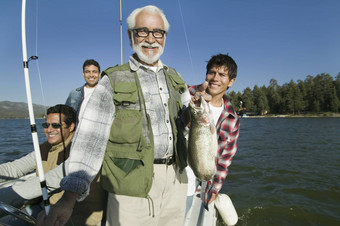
x=231 y=82
x=130 y=37
x=72 y=127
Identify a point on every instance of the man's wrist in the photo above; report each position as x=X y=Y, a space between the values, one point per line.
x=70 y=197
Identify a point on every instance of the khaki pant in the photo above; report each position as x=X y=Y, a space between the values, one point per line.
x=166 y=205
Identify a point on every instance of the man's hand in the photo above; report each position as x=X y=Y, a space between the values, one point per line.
x=213 y=197
x=196 y=99
x=59 y=213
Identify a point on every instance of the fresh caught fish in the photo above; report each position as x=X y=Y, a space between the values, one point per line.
x=202 y=144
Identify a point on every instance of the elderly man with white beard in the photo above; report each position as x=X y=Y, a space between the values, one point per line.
x=132 y=131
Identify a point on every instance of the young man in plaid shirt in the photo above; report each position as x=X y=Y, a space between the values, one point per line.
x=220 y=76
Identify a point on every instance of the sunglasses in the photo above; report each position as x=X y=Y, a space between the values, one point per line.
x=45 y=125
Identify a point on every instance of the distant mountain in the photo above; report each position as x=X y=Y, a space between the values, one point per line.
x=10 y=109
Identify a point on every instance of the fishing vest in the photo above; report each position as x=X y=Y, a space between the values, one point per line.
x=128 y=161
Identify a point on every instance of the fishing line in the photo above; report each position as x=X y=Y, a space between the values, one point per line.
x=30 y=109
x=36 y=53
x=61 y=133
x=186 y=37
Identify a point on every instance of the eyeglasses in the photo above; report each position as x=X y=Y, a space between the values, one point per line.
x=144 y=32
x=45 y=125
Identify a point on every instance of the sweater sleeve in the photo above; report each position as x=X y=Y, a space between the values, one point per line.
x=18 y=193
x=17 y=168
x=89 y=143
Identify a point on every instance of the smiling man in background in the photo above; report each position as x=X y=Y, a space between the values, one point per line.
x=79 y=97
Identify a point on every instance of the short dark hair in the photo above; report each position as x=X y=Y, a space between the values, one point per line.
x=223 y=60
x=91 y=62
x=70 y=115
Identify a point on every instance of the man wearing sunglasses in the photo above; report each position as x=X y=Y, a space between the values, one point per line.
x=59 y=128
x=132 y=132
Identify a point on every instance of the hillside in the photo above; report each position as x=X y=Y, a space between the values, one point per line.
x=10 y=109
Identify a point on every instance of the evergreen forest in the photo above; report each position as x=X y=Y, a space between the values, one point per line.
x=315 y=95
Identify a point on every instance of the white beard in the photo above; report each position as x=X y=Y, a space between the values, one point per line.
x=147 y=58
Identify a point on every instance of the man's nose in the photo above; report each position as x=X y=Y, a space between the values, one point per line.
x=150 y=38
x=216 y=76
x=50 y=128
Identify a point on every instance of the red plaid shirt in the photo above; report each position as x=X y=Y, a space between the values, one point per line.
x=228 y=127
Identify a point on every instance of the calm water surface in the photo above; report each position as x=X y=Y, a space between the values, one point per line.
x=16 y=138
x=286 y=170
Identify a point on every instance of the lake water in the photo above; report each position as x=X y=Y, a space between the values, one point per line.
x=286 y=170
x=16 y=138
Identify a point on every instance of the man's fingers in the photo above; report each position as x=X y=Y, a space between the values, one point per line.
x=213 y=197
x=207 y=97
x=197 y=96
x=41 y=218
x=202 y=91
x=203 y=87
x=51 y=219
x=58 y=223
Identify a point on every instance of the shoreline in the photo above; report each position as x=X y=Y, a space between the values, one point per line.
x=321 y=115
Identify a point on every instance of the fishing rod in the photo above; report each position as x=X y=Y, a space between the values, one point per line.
x=31 y=112
x=121 y=32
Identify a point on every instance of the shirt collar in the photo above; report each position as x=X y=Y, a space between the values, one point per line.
x=61 y=144
x=135 y=65
x=228 y=107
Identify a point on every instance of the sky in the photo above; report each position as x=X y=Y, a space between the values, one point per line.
x=269 y=39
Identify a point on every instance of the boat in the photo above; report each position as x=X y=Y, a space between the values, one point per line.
x=224 y=211
x=12 y=211
x=8 y=183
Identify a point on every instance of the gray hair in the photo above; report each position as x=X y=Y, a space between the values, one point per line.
x=131 y=20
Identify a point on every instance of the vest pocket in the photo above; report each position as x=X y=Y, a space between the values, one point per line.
x=178 y=83
x=121 y=164
x=116 y=180
x=124 y=171
x=125 y=164
x=126 y=127
x=125 y=93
